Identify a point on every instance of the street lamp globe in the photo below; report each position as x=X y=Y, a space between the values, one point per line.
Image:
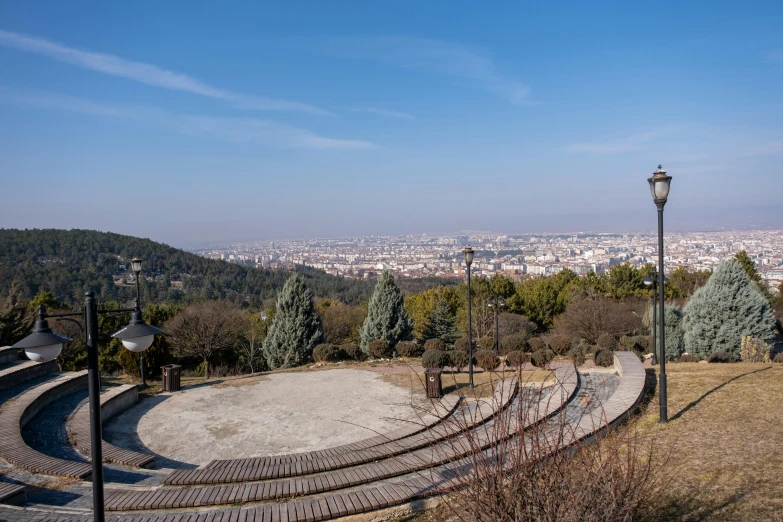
x=648 y=281
x=136 y=265
x=659 y=186
x=138 y=335
x=468 y=256
x=502 y=303
x=42 y=345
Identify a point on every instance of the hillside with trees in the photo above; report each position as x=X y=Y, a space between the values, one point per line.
x=66 y=263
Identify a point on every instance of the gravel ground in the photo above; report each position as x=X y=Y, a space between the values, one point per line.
x=283 y=413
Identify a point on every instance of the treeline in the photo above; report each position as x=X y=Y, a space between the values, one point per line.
x=66 y=263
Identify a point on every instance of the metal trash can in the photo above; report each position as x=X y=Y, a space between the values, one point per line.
x=171 y=373
x=433 y=383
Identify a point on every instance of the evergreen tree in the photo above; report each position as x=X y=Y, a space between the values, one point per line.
x=749 y=266
x=675 y=337
x=296 y=329
x=442 y=323
x=728 y=307
x=387 y=318
x=16 y=319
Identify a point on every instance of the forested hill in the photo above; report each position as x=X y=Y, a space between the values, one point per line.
x=69 y=262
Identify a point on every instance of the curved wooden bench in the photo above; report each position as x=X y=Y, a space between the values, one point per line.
x=18 y=412
x=17 y=372
x=425 y=458
x=273 y=467
x=113 y=401
x=13 y=494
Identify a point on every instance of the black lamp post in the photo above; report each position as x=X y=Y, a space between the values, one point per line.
x=468 y=260
x=138 y=335
x=659 y=188
x=497 y=303
x=650 y=281
x=44 y=345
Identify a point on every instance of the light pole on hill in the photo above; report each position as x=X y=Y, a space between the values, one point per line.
x=496 y=303
x=138 y=335
x=44 y=345
x=468 y=252
x=659 y=188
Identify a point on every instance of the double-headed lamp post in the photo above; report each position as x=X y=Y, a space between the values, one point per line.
x=44 y=345
x=496 y=303
x=659 y=188
x=468 y=261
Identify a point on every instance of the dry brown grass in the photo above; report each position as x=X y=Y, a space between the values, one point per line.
x=457 y=383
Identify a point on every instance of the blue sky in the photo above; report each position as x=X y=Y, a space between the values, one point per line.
x=193 y=122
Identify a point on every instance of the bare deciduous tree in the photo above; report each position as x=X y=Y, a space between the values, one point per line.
x=589 y=318
x=203 y=329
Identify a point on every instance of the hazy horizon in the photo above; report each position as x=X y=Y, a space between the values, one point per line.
x=200 y=125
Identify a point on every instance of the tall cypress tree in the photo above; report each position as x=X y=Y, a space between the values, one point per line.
x=442 y=323
x=386 y=316
x=726 y=308
x=296 y=328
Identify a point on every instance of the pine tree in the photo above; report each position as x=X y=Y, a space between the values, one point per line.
x=749 y=266
x=726 y=308
x=296 y=328
x=675 y=337
x=16 y=319
x=442 y=323
x=386 y=316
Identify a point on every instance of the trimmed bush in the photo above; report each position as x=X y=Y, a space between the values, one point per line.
x=434 y=359
x=326 y=353
x=688 y=358
x=778 y=358
x=642 y=343
x=487 y=343
x=720 y=357
x=380 y=349
x=536 y=343
x=560 y=344
x=458 y=360
x=607 y=341
x=590 y=349
x=604 y=358
x=487 y=360
x=408 y=349
x=352 y=352
x=578 y=355
x=513 y=343
x=516 y=359
x=435 y=344
x=625 y=343
x=542 y=358
x=461 y=345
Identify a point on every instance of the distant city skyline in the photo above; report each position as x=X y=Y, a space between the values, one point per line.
x=200 y=124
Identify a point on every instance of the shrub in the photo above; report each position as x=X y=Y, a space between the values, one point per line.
x=380 y=349
x=541 y=358
x=352 y=351
x=675 y=336
x=513 y=343
x=754 y=350
x=607 y=341
x=560 y=344
x=326 y=353
x=516 y=359
x=535 y=344
x=487 y=360
x=458 y=360
x=604 y=358
x=434 y=359
x=578 y=355
x=720 y=357
x=590 y=349
x=688 y=358
x=435 y=344
x=487 y=343
x=625 y=343
x=643 y=342
x=461 y=345
x=778 y=358
x=408 y=349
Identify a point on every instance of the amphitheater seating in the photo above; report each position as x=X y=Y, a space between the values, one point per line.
x=19 y=411
x=14 y=371
x=113 y=400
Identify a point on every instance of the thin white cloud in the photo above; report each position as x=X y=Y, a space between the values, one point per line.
x=147 y=74
x=234 y=130
x=397 y=115
x=436 y=56
x=617 y=145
